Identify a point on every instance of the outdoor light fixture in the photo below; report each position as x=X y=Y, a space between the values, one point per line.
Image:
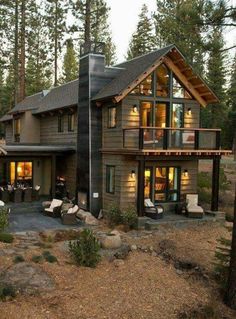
x=135 y=108
x=189 y=111
x=133 y=174
x=185 y=173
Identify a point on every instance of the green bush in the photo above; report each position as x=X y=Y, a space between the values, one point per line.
x=37 y=259
x=7 y=291
x=113 y=215
x=205 y=180
x=4 y=218
x=129 y=217
x=18 y=259
x=49 y=257
x=6 y=238
x=85 y=250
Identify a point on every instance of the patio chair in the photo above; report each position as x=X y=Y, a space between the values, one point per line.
x=152 y=211
x=55 y=208
x=17 y=195
x=69 y=217
x=35 y=193
x=28 y=194
x=192 y=208
x=5 y=196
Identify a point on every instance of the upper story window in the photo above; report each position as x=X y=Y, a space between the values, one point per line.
x=112 y=117
x=60 y=124
x=17 y=129
x=145 y=87
x=163 y=79
x=71 y=122
x=179 y=91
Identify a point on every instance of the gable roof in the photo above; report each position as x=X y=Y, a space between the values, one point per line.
x=29 y=103
x=59 y=97
x=139 y=68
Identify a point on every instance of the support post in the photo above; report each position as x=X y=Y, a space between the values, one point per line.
x=53 y=176
x=140 y=200
x=215 y=184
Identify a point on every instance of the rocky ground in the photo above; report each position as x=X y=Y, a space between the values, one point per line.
x=163 y=274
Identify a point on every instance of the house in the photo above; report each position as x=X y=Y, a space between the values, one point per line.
x=117 y=135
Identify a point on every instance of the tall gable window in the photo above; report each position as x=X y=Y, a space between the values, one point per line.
x=60 y=124
x=17 y=129
x=71 y=122
x=163 y=77
x=111 y=123
x=110 y=179
x=145 y=87
x=179 y=91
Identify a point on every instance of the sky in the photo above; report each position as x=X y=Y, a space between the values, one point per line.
x=123 y=22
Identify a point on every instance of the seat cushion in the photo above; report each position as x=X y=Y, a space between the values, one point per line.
x=50 y=210
x=148 y=203
x=194 y=209
x=75 y=209
x=70 y=211
x=56 y=203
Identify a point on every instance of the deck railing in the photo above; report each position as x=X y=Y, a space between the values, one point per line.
x=158 y=138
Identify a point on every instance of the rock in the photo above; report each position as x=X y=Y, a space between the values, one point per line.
x=115 y=232
x=91 y=220
x=133 y=247
x=83 y=214
x=27 y=278
x=110 y=241
x=179 y=272
x=118 y=262
x=154 y=254
x=122 y=252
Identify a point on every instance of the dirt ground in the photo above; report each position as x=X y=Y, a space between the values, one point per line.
x=143 y=286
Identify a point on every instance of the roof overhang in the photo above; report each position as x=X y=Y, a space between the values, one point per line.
x=175 y=60
x=34 y=149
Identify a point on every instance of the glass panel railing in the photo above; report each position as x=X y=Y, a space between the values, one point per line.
x=131 y=138
x=207 y=140
x=153 y=138
x=181 y=139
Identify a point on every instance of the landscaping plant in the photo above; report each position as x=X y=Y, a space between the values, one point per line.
x=6 y=238
x=113 y=215
x=4 y=215
x=49 y=257
x=7 y=291
x=129 y=217
x=85 y=250
x=18 y=259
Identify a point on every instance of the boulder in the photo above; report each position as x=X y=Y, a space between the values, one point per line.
x=91 y=220
x=118 y=263
x=111 y=241
x=81 y=214
x=27 y=278
x=122 y=252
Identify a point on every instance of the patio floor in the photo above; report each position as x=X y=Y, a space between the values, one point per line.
x=29 y=217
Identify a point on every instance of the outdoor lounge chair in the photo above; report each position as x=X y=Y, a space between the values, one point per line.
x=28 y=195
x=35 y=193
x=54 y=210
x=152 y=211
x=17 y=195
x=69 y=217
x=5 y=196
x=192 y=208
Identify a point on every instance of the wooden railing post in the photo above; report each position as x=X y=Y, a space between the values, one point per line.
x=165 y=138
x=196 y=140
x=218 y=141
x=141 y=132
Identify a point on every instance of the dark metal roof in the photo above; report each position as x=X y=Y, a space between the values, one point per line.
x=59 y=97
x=29 y=103
x=6 y=117
x=132 y=69
x=35 y=148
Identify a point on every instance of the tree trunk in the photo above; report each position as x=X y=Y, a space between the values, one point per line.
x=55 y=43
x=230 y=296
x=21 y=94
x=16 y=53
x=87 y=27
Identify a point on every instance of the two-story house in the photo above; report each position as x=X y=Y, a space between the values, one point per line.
x=117 y=135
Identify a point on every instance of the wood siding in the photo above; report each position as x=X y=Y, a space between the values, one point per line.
x=9 y=132
x=49 y=131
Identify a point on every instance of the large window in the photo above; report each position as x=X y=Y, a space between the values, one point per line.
x=60 y=124
x=179 y=91
x=21 y=172
x=110 y=179
x=71 y=122
x=162 y=87
x=162 y=184
x=111 y=117
x=145 y=87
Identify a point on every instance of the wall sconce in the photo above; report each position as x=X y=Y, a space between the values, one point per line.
x=185 y=173
x=189 y=112
x=135 y=108
x=132 y=174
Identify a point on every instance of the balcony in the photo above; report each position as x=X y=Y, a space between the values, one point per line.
x=156 y=138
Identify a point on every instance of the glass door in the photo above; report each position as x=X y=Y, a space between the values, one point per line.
x=177 y=121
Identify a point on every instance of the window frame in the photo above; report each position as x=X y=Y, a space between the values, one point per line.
x=71 y=122
x=16 y=173
x=17 y=134
x=110 y=190
x=60 y=123
x=109 y=118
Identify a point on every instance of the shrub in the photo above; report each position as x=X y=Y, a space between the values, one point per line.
x=129 y=217
x=113 y=216
x=18 y=259
x=4 y=215
x=7 y=291
x=208 y=311
x=49 y=257
x=69 y=234
x=37 y=259
x=85 y=250
x=6 y=238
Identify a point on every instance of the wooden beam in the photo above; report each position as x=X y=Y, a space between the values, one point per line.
x=137 y=81
x=140 y=197
x=205 y=93
x=177 y=61
x=185 y=81
x=185 y=69
x=196 y=86
x=215 y=184
x=192 y=77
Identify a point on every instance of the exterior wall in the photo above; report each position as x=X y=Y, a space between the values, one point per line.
x=30 y=128
x=49 y=131
x=66 y=167
x=9 y=132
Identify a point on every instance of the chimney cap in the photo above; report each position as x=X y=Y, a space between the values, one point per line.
x=92 y=47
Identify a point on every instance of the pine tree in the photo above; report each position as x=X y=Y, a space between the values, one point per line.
x=56 y=21
x=94 y=26
x=143 y=40
x=70 y=64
